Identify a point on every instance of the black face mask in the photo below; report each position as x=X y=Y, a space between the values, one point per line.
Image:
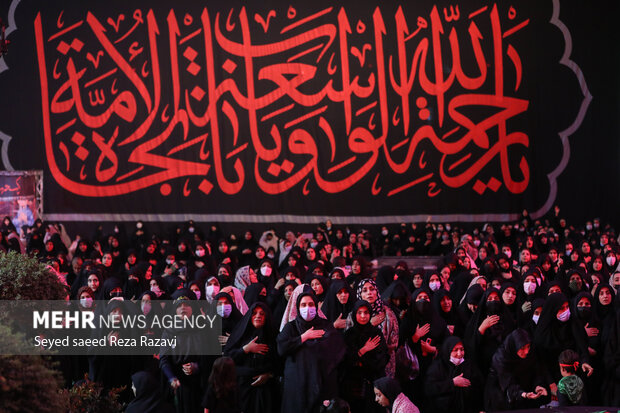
x=493 y=307
x=584 y=313
x=422 y=306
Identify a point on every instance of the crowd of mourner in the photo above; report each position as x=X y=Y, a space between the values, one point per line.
x=515 y=315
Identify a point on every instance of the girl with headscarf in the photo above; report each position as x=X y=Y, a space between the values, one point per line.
x=312 y=350
x=559 y=330
x=583 y=307
x=364 y=360
x=424 y=331
x=444 y=306
x=252 y=346
x=282 y=301
x=319 y=285
x=255 y=293
x=469 y=303
x=148 y=395
x=515 y=380
x=487 y=329
x=181 y=365
x=383 y=317
x=453 y=382
x=396 y=296
x=388 y=394
x=338 y=303
x=226 y=309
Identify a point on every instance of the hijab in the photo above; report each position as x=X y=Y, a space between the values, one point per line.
x=389 y=387
x=377 y=306
x=148 y=395
x=332 y=308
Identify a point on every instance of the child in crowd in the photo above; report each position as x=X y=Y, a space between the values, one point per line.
x=570 y=387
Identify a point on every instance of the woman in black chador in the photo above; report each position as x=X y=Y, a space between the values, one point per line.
x=252 y=346
x=515 y=379
x=313 y=349
x=182 y=366
x=453 y=382
x=364 y=361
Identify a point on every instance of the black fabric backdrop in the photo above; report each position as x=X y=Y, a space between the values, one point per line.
x=368 y=112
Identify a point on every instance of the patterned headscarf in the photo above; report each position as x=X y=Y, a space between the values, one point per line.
x=377 y=306
x=572 y=386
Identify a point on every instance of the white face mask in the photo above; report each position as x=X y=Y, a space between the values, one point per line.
x=266 y=270
x=146 y=307
x=224 y=310
x=564 y=316
x=197 y=294
x=384 y=232
x=508 y=254
x=271 y=256
x=200 y=253
x=156 y=290
x=434 y=285
x=610 y=261
x=476 y=242
x=535 y=318
x=456 y=361
x=86 y=302
x=191 y=230
x=529 y=287
x=307 y=313
x=212 y=290
x=313 y=244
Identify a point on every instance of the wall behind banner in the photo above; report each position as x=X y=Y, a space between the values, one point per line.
x=368 y=112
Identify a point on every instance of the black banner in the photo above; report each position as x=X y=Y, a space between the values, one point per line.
x=366 y=112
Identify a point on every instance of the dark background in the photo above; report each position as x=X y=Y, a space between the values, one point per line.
x=588 y=187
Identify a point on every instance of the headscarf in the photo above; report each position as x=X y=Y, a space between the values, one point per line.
x=252 y=294
x=290 y=313
x=332 y=308
x=148 y=395
x=245 y=330
x=377 y=306
x=389 y=387
x=242 y=278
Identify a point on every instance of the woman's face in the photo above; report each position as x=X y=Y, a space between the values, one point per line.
x=494 y=296
x=445 y=304
x=482 y=282
x=369 y=293
x=288 y=291
x=292 y=261
x=585 y=248
x=482 y=253
x=530 y=278
x=260 y=253
x=495 y=284
x=381 y=399
x=258 y=317
x=317 y=287
x=563 y=308
x=223 y=272
x=93 y=282
x=597 y=264
x=195 y=289
x=509 y=296
x=605 y=296
x=131 y=259
x=434 y=277
x=524 y=351
x=356 y=268
x=106 y=260
x=146 y=298
x=289 y=276
x=342 y=296
x=584 y=302
x=445 y=273
x=310 y=254
x=458 y=352
x=577 y=280
x=554 y=289
x=417 y=281
x=362 y=315
x=422 y=297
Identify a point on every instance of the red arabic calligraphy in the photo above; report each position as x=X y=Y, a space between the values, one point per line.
x=284 y=100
